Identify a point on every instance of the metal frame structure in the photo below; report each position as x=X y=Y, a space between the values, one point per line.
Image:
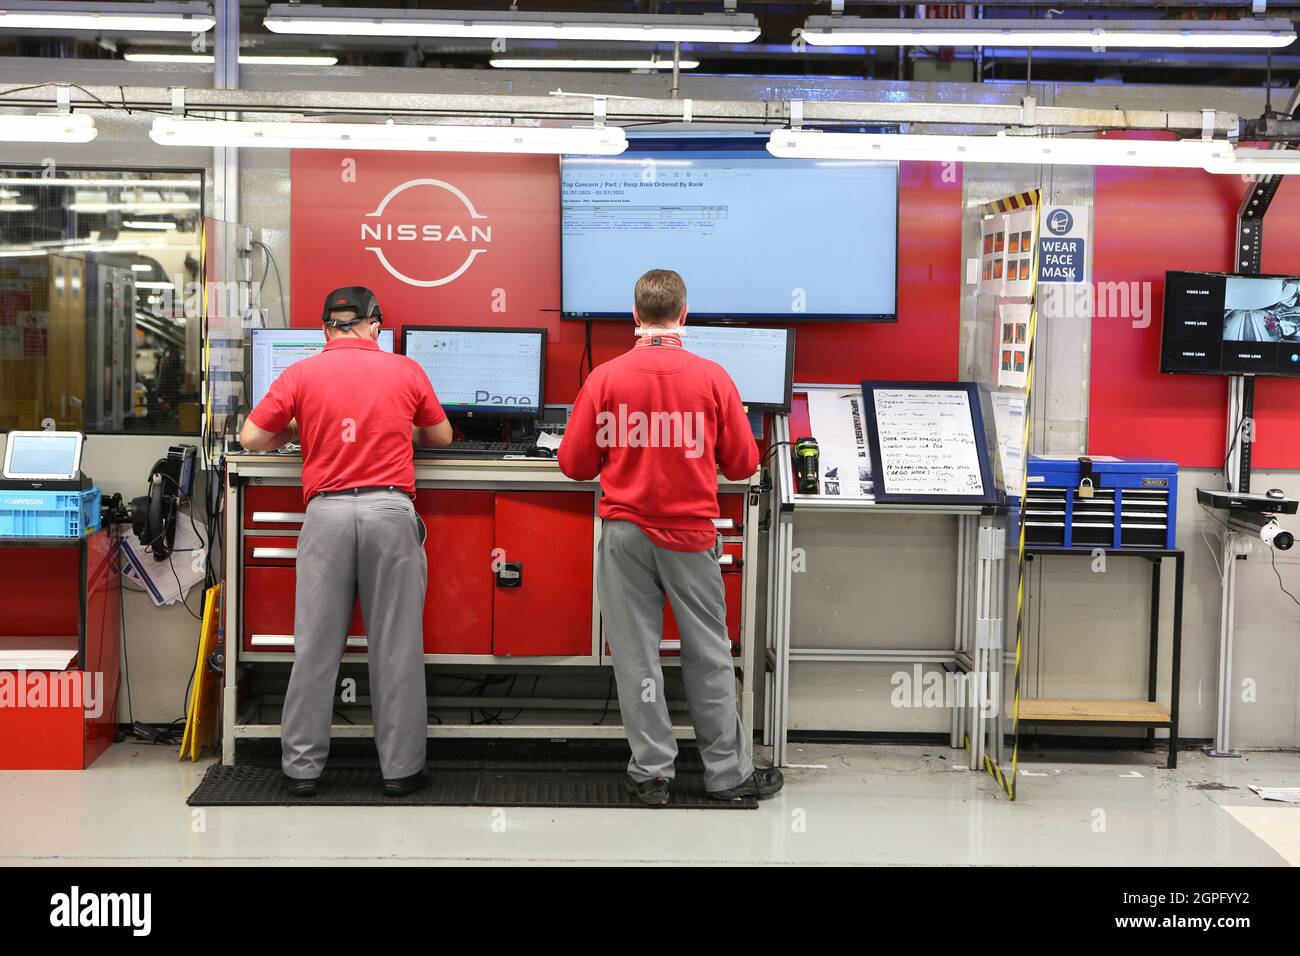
x=616 y=110
x=1157 y=558
x=238 y=716
x=1240 y=436
x=977 y=643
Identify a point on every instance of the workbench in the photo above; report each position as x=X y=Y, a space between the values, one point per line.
x=511 y=550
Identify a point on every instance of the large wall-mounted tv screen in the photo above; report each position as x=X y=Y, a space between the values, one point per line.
x=1221 y=324
x=755 y=237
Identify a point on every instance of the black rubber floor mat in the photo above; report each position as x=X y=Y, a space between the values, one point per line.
x=256 y=786
x=448 y=754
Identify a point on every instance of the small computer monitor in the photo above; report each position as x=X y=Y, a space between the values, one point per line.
x=759 y=361
x=45 y=456
x=498 y=371
x=274 y=350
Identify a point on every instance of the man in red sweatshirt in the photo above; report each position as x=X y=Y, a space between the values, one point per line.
x=656 y=424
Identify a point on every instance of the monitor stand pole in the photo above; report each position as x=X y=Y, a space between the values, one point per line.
x=1240 y=437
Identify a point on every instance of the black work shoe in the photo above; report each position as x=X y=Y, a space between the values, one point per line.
x=297 y=787
x=406 y=785
x=652 y=792
x=764 y=782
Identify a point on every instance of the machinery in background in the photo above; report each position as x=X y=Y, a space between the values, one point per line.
x=90 y=380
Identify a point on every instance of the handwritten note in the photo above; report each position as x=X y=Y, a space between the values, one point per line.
x=928 y=444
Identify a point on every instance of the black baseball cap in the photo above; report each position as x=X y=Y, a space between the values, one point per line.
x=355 y=297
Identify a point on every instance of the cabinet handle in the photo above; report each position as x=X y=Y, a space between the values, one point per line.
x=275 y=552
x=511 y=575
x=286 y=640
x=280 y=517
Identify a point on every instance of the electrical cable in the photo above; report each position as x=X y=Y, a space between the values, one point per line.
x=1272 y=557
x=272 y=264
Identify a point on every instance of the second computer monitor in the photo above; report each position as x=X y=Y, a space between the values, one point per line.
x=499 y=371
x=759 y=361
x=274 y=350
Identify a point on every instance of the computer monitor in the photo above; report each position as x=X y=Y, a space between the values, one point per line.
x=45 y=456
x=499 y=371
x=274 y=350
x=1223 y=324
x=759 y=361
x=756 y=238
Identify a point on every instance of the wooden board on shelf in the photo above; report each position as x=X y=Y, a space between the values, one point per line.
x=1108 y=711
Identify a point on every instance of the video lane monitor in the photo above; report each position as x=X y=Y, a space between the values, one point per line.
x=755 y=237
x=1221 y=324
x=759 y=361
x=274 y=350
x=475 y=369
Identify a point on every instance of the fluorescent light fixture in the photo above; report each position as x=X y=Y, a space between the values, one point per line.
x=155 y=285
x=252 y=59
x=1111 y=34
x=17 y=207
x=1259 y=162
x=47 y=128
x=512 y=24
x=553 y=63
x=67 y=181
x=185 y=131
x=55 y=15
x=130 y=206
x=150 y=225
x=141 y=267
x=1018 y=150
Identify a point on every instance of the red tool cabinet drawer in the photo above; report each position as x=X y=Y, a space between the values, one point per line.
x=731 y=513
x=268 y=611
x=271 y=551
x=274 y=507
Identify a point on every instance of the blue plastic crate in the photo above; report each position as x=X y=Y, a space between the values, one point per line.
x=49 y=514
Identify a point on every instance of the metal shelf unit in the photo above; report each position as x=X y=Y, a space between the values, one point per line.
x=977 y=640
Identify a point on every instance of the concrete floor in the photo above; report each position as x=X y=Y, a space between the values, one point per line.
x=870 y=805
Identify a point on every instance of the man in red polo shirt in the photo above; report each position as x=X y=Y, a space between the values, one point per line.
x=355 y=410
x=656 y=424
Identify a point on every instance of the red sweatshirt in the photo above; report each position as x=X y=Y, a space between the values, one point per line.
x=657 y=424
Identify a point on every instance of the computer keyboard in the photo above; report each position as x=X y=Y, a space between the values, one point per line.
x=468 y=448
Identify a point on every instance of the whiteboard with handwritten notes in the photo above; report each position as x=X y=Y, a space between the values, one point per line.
x=928 y=442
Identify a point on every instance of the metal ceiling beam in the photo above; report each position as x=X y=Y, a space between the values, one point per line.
x=620 y=109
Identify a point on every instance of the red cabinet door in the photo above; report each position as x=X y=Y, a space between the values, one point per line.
x=274 y=507
x=546 y=536
x=458 y=603
x=268 y=611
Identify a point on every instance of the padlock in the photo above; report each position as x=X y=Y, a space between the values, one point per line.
x=1085 y=488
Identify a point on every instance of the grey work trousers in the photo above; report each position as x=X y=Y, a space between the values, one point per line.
x=633 y=576
x=369 y=544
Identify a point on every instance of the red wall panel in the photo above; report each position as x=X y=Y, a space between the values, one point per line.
x=515 y=280
x=1146 y=222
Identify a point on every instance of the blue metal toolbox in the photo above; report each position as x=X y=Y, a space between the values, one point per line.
x=1133 y=503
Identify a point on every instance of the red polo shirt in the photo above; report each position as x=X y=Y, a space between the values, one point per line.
x=355 y=405
x=657 y=424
